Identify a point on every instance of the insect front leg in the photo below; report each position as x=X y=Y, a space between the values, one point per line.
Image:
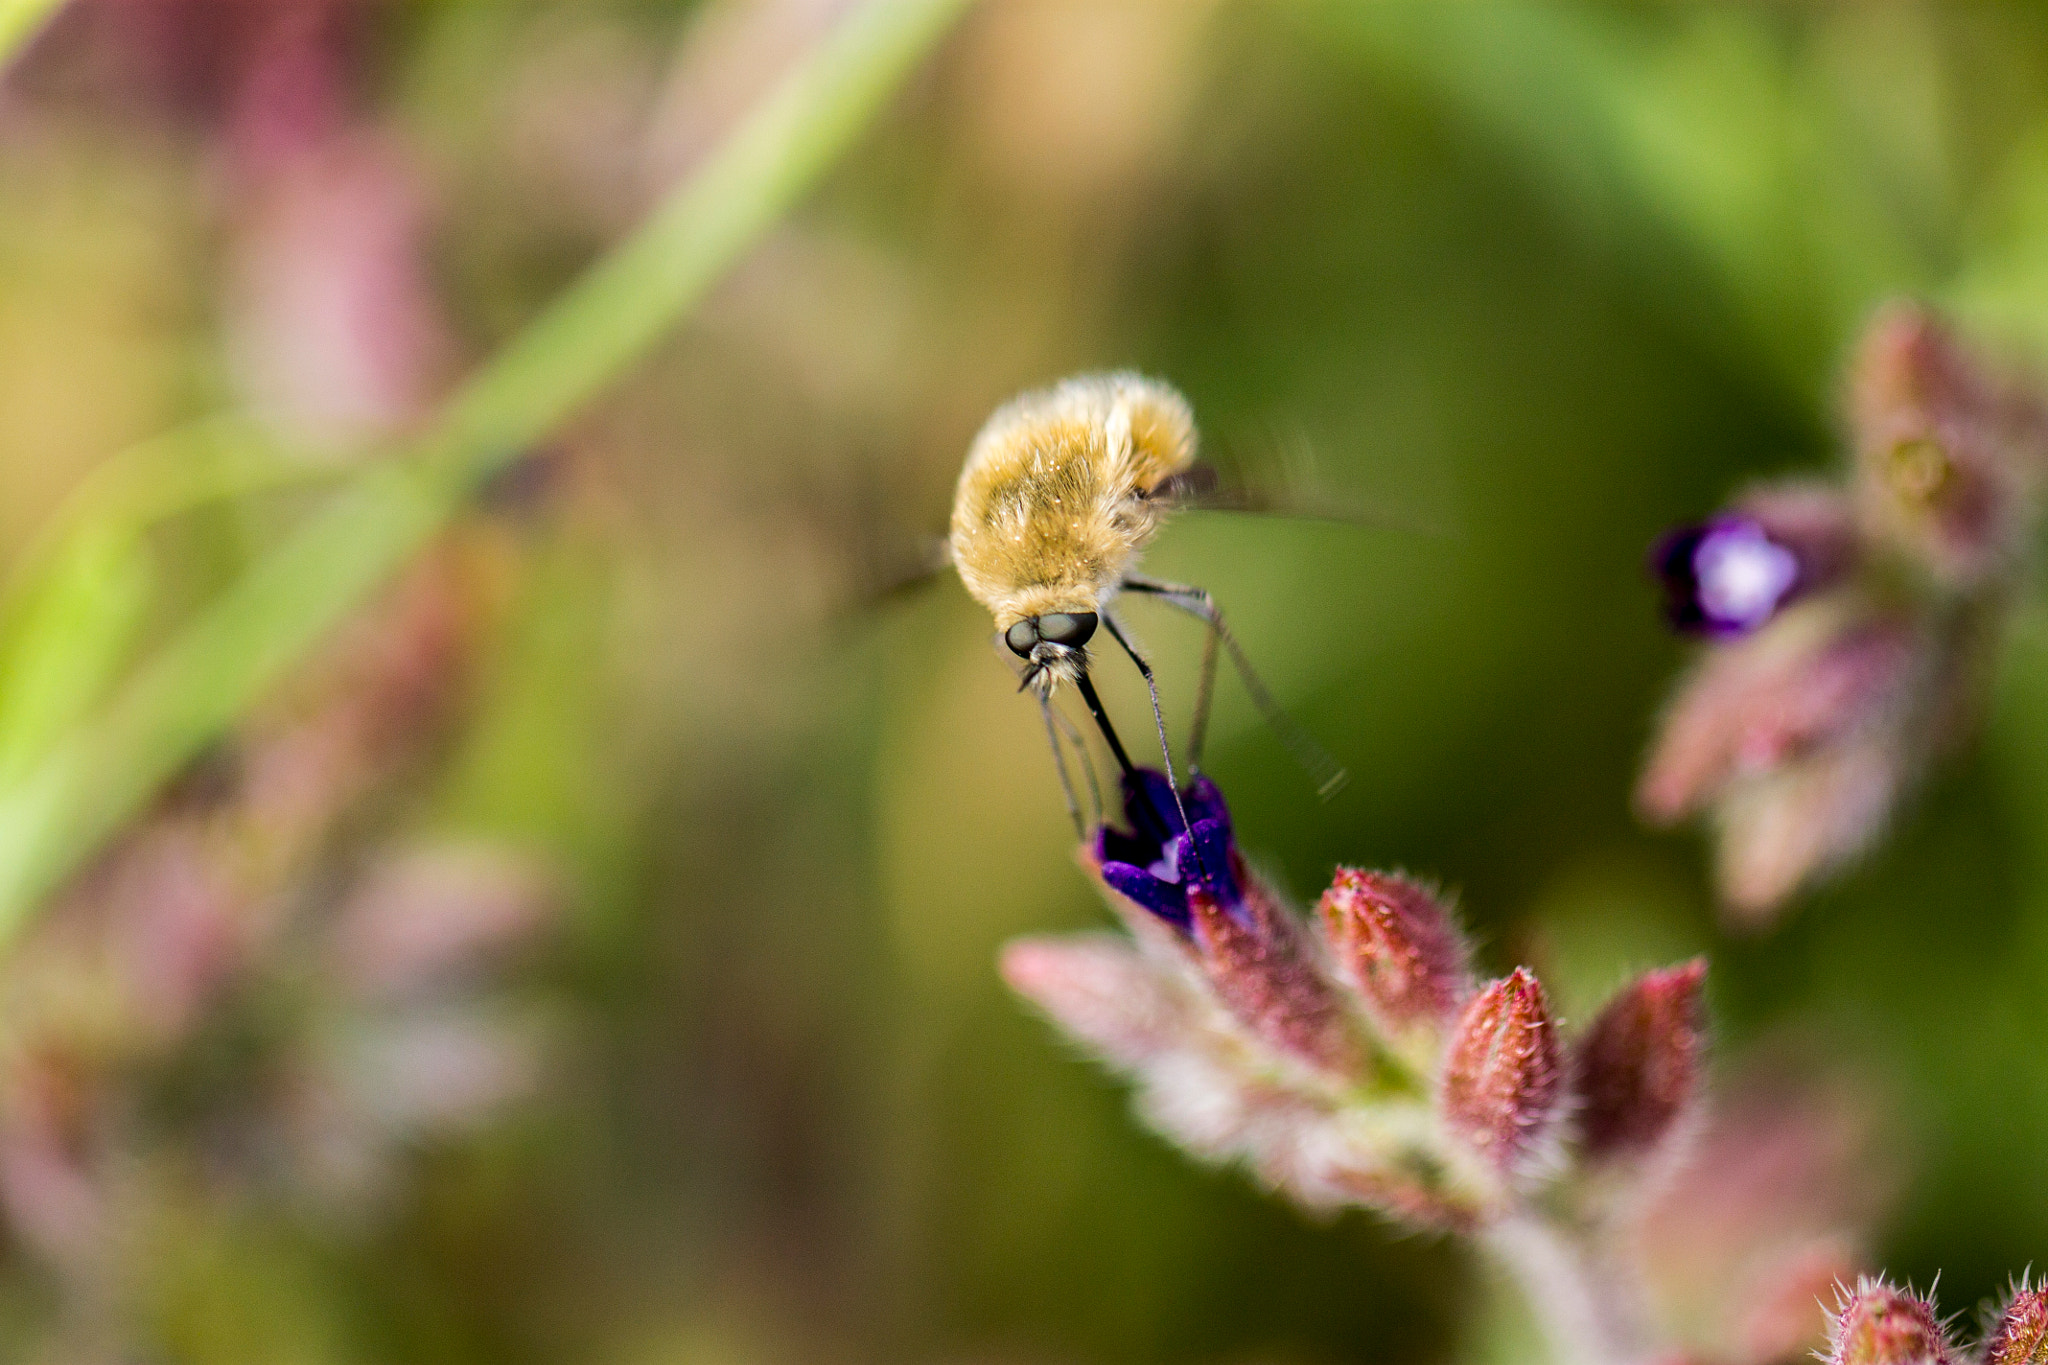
x=1159 y=721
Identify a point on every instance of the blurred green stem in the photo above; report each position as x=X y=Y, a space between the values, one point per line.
x=1585 y=1316
x=199 y=682
x=21 y=20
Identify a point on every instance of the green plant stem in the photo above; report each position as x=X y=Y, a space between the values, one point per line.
x=197 y=684
x=21 y=20
x=1586 y=1317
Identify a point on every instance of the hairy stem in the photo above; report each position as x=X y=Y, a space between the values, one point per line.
x=1589 y=1317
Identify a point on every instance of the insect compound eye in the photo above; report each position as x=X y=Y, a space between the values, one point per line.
x=1067 y=628
x=1021 y=638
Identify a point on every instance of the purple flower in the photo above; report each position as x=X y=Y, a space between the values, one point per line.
x=1726 y=576
x=1159 y=860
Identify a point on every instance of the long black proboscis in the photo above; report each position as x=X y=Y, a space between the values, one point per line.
x=1140 y=811
x=1116 y=746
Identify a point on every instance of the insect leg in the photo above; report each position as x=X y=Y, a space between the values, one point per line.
x=1059 y=763
x=1159 y=720
x=1053 y=717
x=1328 y=775
x=1205 y=689
x=1073 y=737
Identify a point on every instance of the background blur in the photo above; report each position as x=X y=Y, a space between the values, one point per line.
x=590 y=956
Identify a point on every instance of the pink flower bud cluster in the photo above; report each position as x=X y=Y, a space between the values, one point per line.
x=1851 y=623
x=1354 y=1059
x=1878 y=1323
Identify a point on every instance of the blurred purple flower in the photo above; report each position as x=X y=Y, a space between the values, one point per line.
x=1725 y=576
x=213 y=64
x=366 y=996
x=1949 y=453
x=332 y=325
x=1851 y=626
x=1740 y=1240
x=427 y=918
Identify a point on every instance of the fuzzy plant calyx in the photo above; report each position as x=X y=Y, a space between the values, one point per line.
x=1880 y=1324
x=1638 y=1065
x=1347 y=1058
x=2020 y=1334
x=1503 y=1073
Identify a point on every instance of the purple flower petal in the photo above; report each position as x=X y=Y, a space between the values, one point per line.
x=1150 y=862
x=1166 y=899
x=1215 y=864
x=1724 y=577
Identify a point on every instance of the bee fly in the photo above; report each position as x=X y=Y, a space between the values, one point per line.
x=1062 y=489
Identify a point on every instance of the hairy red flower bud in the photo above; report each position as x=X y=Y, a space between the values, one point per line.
x=1638 y=1066
x=1264 y=970
x=2021 y=1337
x=1502 y=1073
x=1881 y=1325
x=1397 y=947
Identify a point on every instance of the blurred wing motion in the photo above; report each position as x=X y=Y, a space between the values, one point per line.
x=911 y=574
x=1207 y=488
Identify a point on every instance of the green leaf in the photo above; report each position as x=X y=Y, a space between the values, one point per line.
x=77 y=601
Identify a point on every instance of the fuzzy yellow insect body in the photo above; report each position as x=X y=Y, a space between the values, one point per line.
x=1057 y=498
x=1062 y=490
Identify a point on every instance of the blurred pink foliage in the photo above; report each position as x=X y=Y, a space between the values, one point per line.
x=331 y=320
x=256 y=902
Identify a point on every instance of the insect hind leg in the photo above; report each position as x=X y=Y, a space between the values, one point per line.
x=1328 y=775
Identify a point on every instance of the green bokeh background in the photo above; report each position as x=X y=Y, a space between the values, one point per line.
x=1526 y=282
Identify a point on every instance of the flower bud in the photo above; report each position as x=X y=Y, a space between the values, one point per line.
x=1638 y=1066
x=1396 y=946
x=2021 y=1337
x=1947 y=452
x=1265 y=971
x=1759 y=705
x=1502 y=1076
x=1799 y=740
x=1880 y=1325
